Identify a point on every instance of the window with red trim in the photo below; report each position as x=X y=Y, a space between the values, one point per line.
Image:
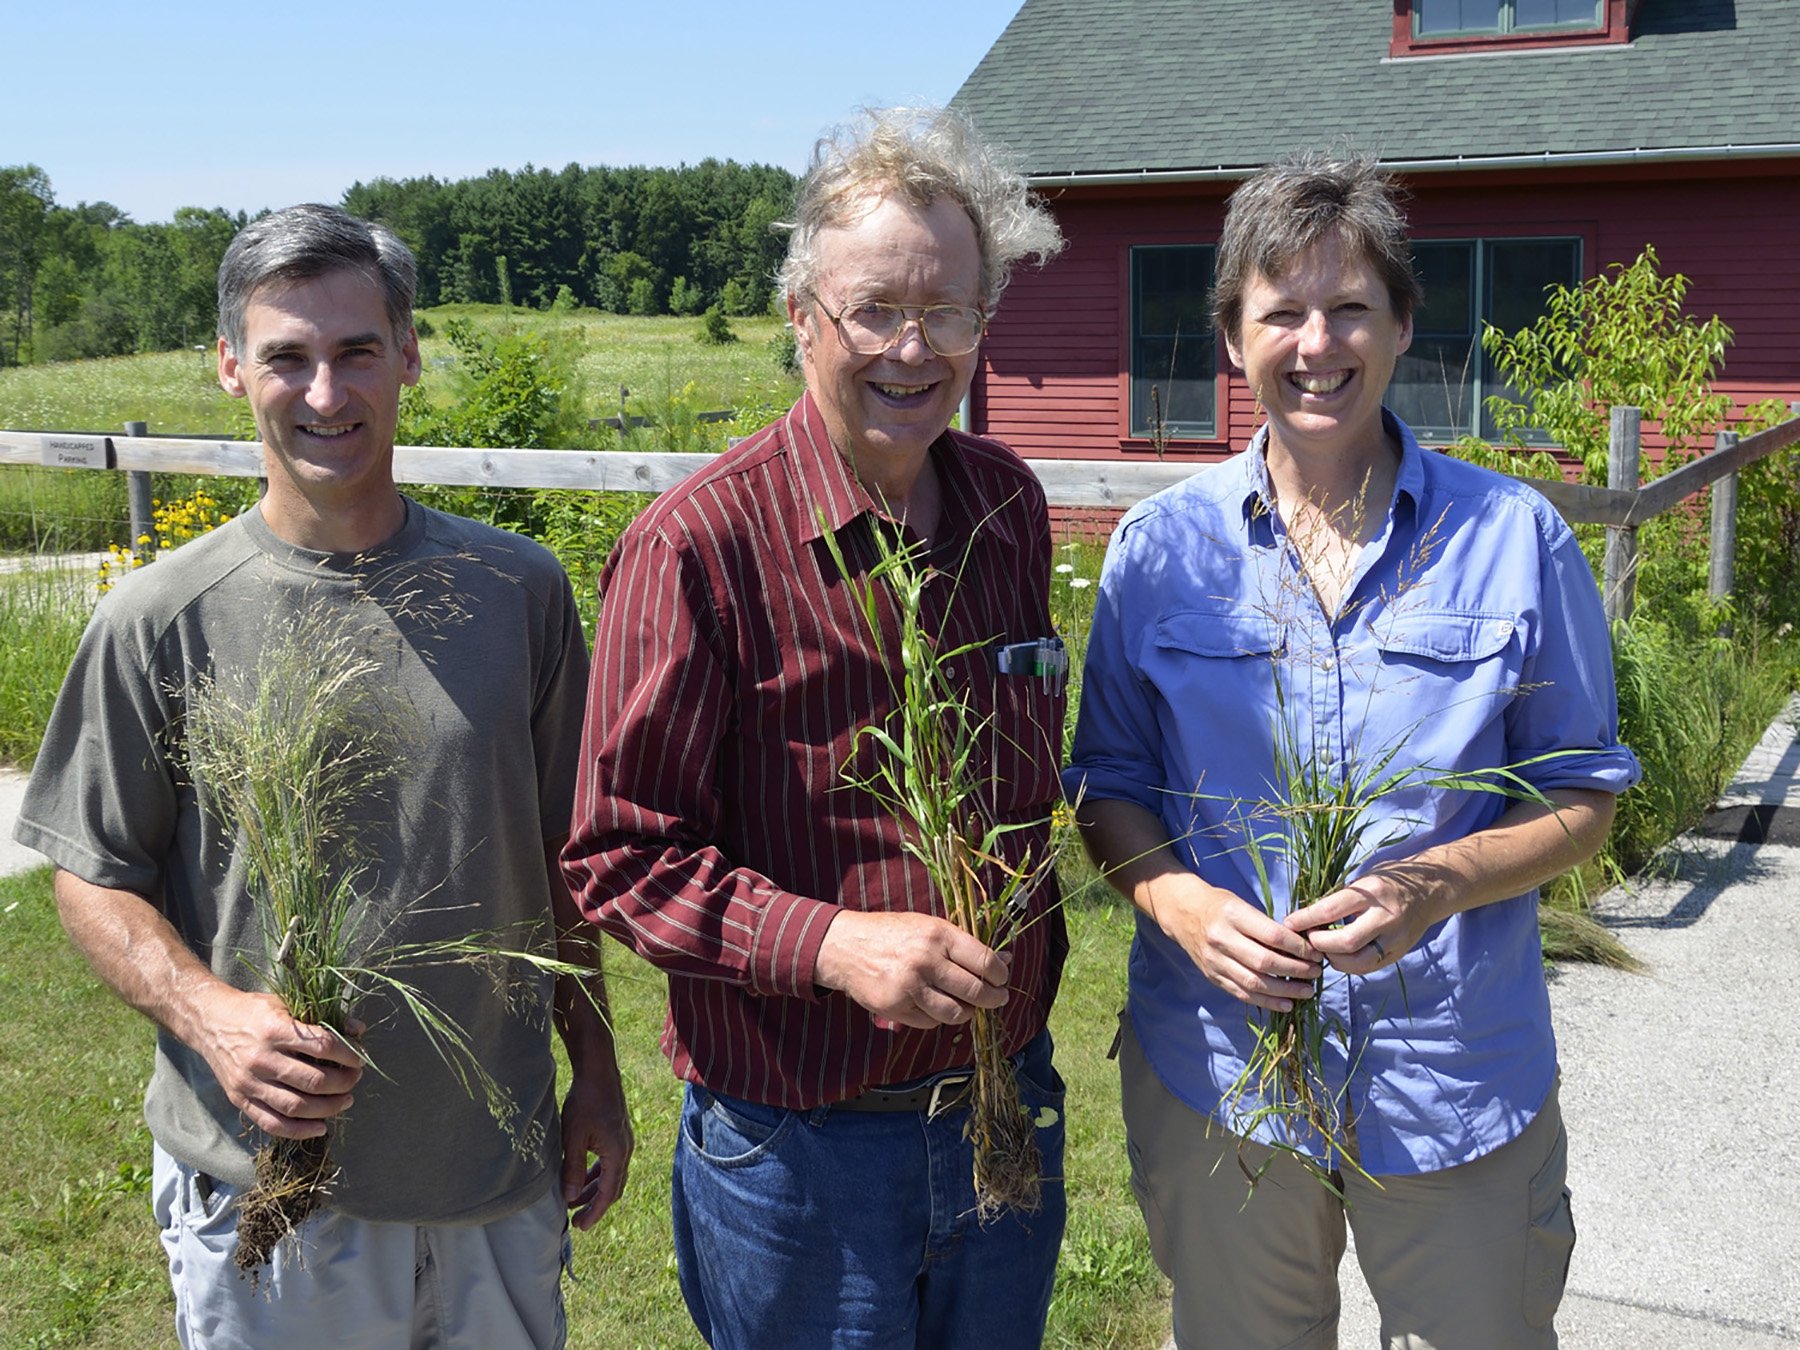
x=1434 y=27
x=1441 y=385
x=1173 y=363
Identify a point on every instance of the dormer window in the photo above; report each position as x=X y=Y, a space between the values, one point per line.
x=1489 y=18
x=1450 y=27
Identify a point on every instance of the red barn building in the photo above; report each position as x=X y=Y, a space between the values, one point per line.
x=1541 y=141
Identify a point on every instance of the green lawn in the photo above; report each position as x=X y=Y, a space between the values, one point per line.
x=79 y=1260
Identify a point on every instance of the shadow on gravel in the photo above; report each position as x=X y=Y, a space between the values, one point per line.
x=1709 y=869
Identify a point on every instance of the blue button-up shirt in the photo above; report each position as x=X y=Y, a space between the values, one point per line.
x=1470 y=636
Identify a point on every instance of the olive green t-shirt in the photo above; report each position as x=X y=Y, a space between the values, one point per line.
x=478 y=641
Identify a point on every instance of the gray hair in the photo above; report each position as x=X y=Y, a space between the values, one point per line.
x=305 y=242
x=919 y=155
x=1286 y=208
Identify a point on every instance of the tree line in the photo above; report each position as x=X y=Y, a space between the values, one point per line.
x=87 y=280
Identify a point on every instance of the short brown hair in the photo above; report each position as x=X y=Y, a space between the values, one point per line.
x=1286 y=208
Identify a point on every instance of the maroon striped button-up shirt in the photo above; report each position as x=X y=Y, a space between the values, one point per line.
x=714 y=833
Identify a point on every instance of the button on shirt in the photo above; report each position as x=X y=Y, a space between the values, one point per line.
x=1471 y=636
x=714 y=831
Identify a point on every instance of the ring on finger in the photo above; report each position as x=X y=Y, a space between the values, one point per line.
x=1380 y=953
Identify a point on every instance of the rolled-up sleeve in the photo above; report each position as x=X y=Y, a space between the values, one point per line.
x=1565 y=732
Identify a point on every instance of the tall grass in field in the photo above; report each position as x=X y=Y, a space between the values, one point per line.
x=43 y=610
x=45 y=510
x=1690 y=707
x=649 y=357
x=1074 y=582
x=176 y=393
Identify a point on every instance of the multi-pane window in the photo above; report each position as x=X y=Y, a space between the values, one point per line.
x=1471 y=18
x=1173 y=363
x=1441 y=385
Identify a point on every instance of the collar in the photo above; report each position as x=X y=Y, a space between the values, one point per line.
x=1256 y=499
x=829 y=492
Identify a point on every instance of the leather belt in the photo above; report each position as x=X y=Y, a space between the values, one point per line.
x=934 y=1095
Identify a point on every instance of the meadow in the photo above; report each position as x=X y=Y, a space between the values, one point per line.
x=177 y=393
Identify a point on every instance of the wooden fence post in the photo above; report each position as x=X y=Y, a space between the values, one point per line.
x=1621 y=542
x=138 y=493
x=1722 y=561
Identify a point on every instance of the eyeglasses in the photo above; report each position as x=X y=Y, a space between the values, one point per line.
x=871 y=327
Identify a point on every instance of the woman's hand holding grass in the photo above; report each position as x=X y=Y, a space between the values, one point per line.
x=916 y=970
x=1373 y=921
x=1389 y=909
x=1236 y=945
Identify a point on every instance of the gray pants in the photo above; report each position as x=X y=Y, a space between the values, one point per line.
x=349 y=1283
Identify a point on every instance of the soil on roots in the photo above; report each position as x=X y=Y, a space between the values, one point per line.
x=293 y=1177
x=1008 y=1166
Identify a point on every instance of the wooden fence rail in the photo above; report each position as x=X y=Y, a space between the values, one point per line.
x=1622 y=506
x=1067 y=482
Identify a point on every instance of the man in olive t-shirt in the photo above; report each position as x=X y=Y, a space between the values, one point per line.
x=440 y=1228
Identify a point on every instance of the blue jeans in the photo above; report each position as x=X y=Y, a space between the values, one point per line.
x=796 y=1229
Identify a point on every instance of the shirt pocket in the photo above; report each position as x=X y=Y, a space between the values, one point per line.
x=1214 y=675
x=1021 y=743
x=1444 y=636
x=1213 y=672
x=1218 y=634
x=1453 y=672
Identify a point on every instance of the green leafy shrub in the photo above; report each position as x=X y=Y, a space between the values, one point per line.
x=1619 y=339
x=580 y=528
x=715 y=328
x=785 y=349
x=685 y=298
x=640 y=297
x=1768 y=524
x=508 y=388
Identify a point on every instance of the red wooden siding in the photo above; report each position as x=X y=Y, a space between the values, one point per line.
x=1053 y=380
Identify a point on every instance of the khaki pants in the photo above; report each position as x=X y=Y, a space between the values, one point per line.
x=1469 y=1258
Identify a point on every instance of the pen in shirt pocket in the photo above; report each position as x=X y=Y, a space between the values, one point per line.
x=1044 y=658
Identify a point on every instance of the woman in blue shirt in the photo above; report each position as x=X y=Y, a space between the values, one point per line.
x=1338 y=587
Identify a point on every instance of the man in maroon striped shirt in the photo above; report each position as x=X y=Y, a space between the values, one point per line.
x=818 y=999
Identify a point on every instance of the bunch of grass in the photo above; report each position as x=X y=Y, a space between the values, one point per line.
x=294 y=754
x=1690 y=706
x=291 y=754
x=925 y=775
x=1317 y=828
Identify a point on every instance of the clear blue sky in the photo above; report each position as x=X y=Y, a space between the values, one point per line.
x=173 y=103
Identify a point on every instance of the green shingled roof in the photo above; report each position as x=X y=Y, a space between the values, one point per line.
x=1121 y=86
